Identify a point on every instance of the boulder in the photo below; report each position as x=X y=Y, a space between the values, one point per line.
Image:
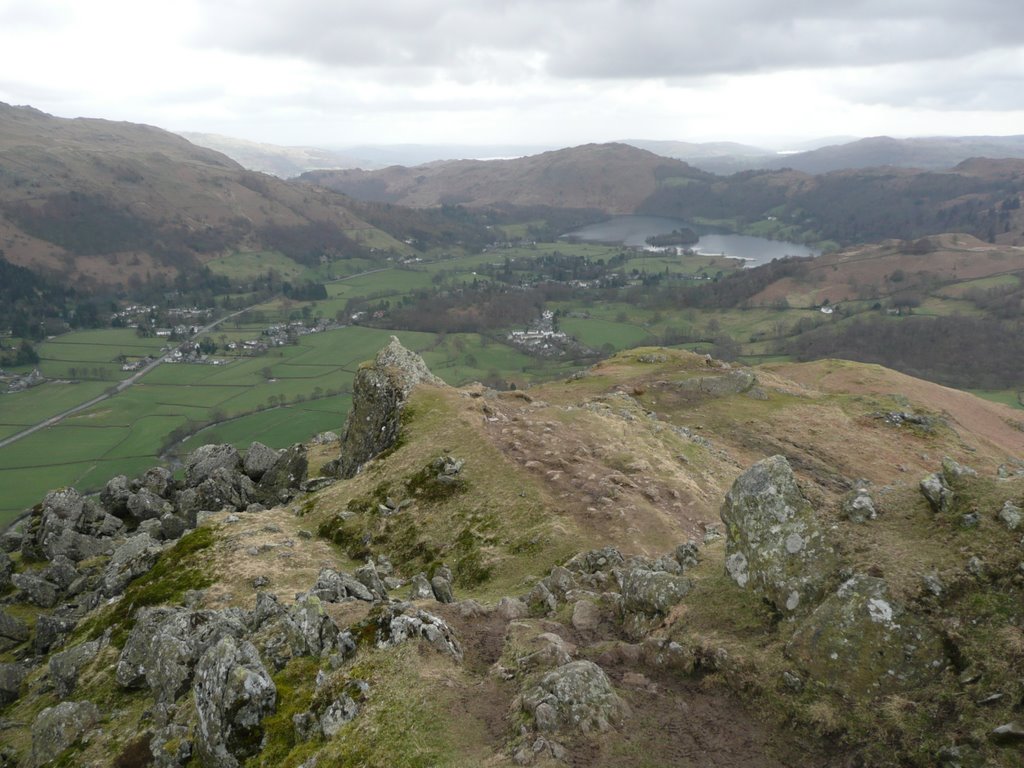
x=258 y=459
x=65 y=666
x=379 y=395
x=861 y=641
x=303 y=629
x=442 y=589
x=114 y=496
x=774 y=544
x=146 y=505
x=233 y=693
x=57 y=728
x=397 y=623
x=333 y=587
x=859 y=507
x=651 y=592
x=49 y=631
x=283 y=478
x=13 y=631
x=202 y=462
x=37 y=591
x=6 y=569
x=1011 y=516
x=159 y=481
x=419 y=588
x=165 y=644
x=939 y=495
x=575 y=697
x=367 y=576
x=11 y=677
x=129 y=561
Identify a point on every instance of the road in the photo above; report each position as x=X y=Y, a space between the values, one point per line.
x=126 y=383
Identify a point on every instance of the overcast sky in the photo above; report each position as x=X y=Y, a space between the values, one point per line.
x=550 y=72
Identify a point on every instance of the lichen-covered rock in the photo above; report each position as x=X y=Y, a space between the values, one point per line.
x=233 y=693
x=114 y=496
x=367 y=576
x=1011 y=516
x=939 y=495
x=284 y=477
x=442 y=589
x=651 y=592
x=202 y=462
x=50 y=630
x=859 y=507
x=529 y=650
x=397 y=623
x=57 y=728
x=333 y=587
x=379 y=394
x=129 y=561
x=147 y=505
x=65 y=666
x=11 y=677
x=258 y=459
x=419 y=588
x=158 y=480
x=303 y=629
x=576 y=697
x=861 y=641
x=165 y=644
x=774 y=544
x=37 y=591
x=13 y=631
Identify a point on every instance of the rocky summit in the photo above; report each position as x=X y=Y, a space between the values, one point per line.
x=664 y=560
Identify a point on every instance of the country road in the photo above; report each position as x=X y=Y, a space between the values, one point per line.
x=126 y=383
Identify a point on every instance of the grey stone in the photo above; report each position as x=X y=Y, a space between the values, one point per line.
x=938 y=494
x=651 y=592
x=172 y=527
x=57 y=728
x=540 y=601
x=442 y=589
x=129 y=561
x=11 y=678
x=512 y=608
x=306 y=726
x=283 y=478
x=303 y=629
x=258 y=459
x=158 y=480
x=586 y=616
x=398 y=623
x=576 y=697
x=338 y=712
x=65 y=666
x=13 y=631
x=859 y=507
x=38 y=591
x=146 y=505
x=233 y=693
x=202 y=462
x=10 y=541
x=379 y=394
x=114 y=496
x=861 y=641
x=1009 y=732
x=367 y=576
x=165 y=644
x=774 y=543
x=1010 y=515
x=419 y=588
x=333 y=587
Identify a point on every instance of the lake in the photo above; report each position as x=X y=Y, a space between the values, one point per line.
x=634 y=231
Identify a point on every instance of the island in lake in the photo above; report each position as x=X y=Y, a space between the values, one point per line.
x=684 y=236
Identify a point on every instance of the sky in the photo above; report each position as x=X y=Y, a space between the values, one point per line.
x=341 y=73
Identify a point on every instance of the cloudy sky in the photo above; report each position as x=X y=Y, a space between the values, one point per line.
x=547 y=72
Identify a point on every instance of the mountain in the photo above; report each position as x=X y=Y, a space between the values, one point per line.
x=283 y=162
x=662 y=561
x=102 y=202
x=615 y=178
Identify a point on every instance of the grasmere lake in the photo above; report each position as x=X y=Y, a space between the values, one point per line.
x=634 y=231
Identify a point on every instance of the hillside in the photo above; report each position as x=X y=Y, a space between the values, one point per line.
x=104 y=203
x=283 y=162
x=615 y=178
x=661 y=561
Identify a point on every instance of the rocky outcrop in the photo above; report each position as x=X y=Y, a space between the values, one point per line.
x=57 y=728
x=399 y=622
x=379 y=395
x=202 y=462
x=132 y=559
x=164 y=645
x=940 y=488
x=11 y=678
x=303 y=629
x=13 y=631
x=863 y=642
x=280 y=481
x=258 y=459
x=774 y=544
x=65 y=666
x=576 y=697
x=233 y=693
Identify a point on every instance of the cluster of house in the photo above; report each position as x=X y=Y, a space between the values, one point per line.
x=542 y=339
x=17 y=382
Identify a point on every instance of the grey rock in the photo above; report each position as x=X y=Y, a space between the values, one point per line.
x=65 y=666
x=398 y=623
x=285 y=476
x=337 y=713
x=1011 y=516
x=540 y=601
x=74 y=545
x=151 y=528
x=171 y=746
x=576 y=697
x=258 y=459
x=938 y=494
x=560 y=581
x=596 y=561
x=419 y=588
x=172 y=527
x=38 y=591
x=57 y=728
x=11 y=678
x=306 y=726
x=165 y=644
x=1009 y=732
x=651 y=592
x=60 y=572
x=859 y=507
x=303 y=629
x=114 y=496
x=442 y=589
x=367 y=576
x=6 y=569
x=774 y=543
x=512 y=608
x=146 y=505
x=325 y=438
x=13 y=631
x=10 y=541
x=861 y=641
x=587 y=617
x=129 y=561
x=158 y=480
x=333 y=587
x=533 y=651
x=202 y=462
x=233 y=693
x=51 y=630
x=379 y=395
